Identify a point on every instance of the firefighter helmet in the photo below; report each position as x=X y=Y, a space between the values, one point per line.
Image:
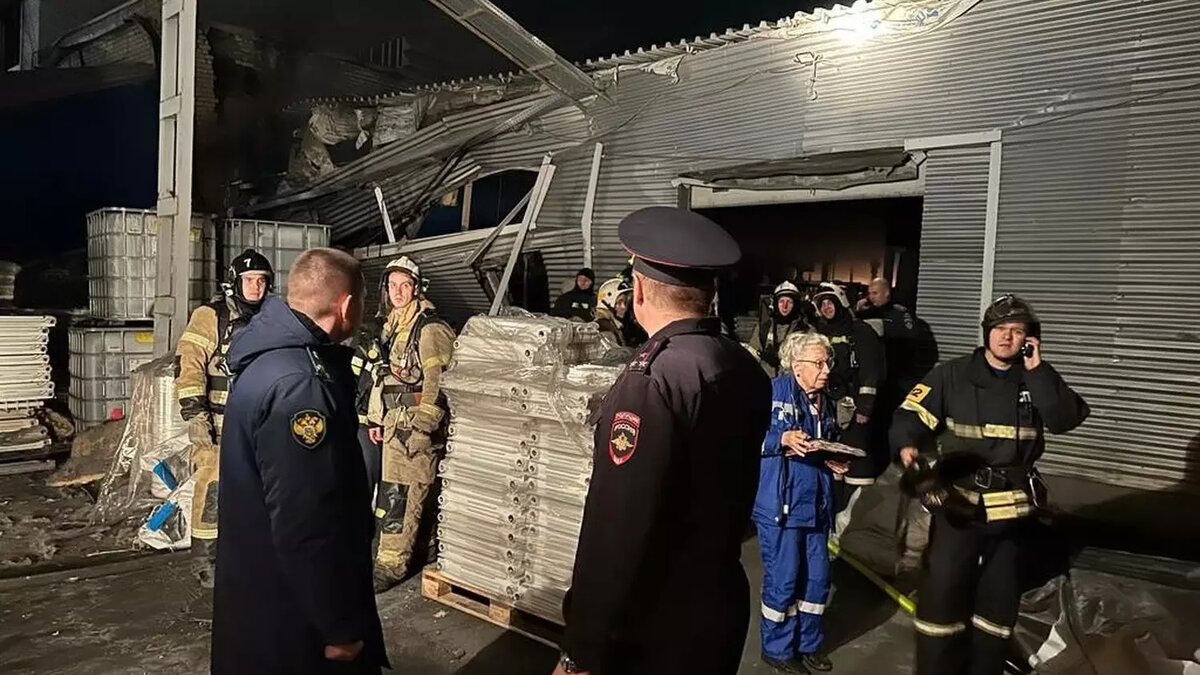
x=1009 y=307
x=612 y=290
x=247 y=262
x=786 y=288
x=828 y=289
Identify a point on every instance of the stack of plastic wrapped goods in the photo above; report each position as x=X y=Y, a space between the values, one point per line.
x=519 y=456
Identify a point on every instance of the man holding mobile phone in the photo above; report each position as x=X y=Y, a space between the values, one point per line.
x=996 y=404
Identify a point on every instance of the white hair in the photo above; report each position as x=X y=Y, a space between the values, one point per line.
x=794 y=345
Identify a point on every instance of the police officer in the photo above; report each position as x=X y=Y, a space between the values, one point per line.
x=612 y=307
x=407 y=413
x=898 y=327
x=658 y=586
x=784 y=318
x=579 y=303
x=997 y=404
x=293 y=590
x=858 y=370
x=202 y=385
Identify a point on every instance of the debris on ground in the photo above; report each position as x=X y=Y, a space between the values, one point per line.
x=91 y=455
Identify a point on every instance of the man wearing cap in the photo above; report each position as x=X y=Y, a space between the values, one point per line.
x=658 y=585
x=579 y=303
x=996 y=404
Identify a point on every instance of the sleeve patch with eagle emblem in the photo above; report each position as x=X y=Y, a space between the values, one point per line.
x=308 y=428
x=623 y=439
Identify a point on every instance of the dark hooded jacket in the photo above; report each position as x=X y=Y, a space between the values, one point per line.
x=294 y=564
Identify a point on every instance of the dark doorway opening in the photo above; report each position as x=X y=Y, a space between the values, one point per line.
x=848 y=242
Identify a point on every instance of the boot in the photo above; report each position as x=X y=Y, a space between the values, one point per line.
x=204 y=562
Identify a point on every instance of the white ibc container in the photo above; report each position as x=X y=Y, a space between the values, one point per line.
x=280 y=242
x=122 y=252
x=101 y=360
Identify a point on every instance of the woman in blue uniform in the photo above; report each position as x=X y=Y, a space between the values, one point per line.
x=794 y=507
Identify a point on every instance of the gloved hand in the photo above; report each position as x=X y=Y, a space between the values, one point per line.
x=418 y=443
x=200 y=429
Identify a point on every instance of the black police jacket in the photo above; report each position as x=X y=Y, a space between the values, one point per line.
x=999 y=417
x=859 y=362
x=657 y=579
x=576 y=304
x=294 y=561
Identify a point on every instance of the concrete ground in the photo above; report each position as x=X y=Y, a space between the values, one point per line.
x=145 y=616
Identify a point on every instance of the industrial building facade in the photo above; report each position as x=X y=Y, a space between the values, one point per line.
x=1057 y=147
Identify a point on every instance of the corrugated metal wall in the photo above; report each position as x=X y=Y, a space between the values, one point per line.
x=952 y=231
x=1097 y=209
x=1099 y=229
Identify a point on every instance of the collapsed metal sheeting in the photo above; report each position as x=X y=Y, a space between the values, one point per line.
x=453 y=287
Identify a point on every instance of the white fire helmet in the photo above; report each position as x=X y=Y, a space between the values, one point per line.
x=830 y=289
x=611 y=290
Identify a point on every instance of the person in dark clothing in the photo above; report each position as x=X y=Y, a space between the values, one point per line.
x=293 y=589
x=858 y=370
x=897 y=325
x=784 y=319
x=579 y=303
x=996 y=405
x=658 y=585
x=632 y=333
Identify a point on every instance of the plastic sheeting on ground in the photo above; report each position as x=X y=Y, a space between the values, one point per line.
x=150 y=474
x=519 y=455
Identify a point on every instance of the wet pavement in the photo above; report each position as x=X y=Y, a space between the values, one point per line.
x=147 y=616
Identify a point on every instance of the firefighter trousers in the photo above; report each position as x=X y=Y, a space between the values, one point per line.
x=402 y=498
x=968 y=599
x=206 y=461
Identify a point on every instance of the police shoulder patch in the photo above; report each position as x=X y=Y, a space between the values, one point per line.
x=623 y=438
x=308 y=428
x=919 y=393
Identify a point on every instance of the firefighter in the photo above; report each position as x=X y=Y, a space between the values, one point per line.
x=202 y=385
x=579 y=303
x=996 y=403
x=407 y=413
x=858 y=369
x=784 y=318
x=612 y=307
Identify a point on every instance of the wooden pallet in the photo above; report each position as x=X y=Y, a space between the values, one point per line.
x=469 y=600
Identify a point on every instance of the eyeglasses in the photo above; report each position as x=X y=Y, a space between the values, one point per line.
x=826 y=364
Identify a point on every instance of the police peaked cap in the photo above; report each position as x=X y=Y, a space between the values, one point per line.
x=676 y=246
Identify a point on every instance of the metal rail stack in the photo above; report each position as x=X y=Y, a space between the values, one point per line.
x=519 y=456
x=24 y=382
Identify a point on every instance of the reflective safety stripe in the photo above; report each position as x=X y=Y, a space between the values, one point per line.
x=776 y=615
x=197 y=339
x=379 y=513
x=1002 y=431
x=218 y=396
x=810 y=607
x=927 y=417
x=867 y=391
x=204 y=532
x=938 y=629
x=356 y=361
x=850 y=480
x=435 y=362
x=362 y=419
x=1000 y=504
x=991 y=628
x=189 y=392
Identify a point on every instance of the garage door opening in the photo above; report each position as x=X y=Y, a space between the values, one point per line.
x=848 y=242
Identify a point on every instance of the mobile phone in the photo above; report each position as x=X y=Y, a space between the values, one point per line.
x=1027 y=350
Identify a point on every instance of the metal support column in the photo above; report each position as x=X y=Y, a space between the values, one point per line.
x=589 y=204
x=176 y=115
x=540 y=188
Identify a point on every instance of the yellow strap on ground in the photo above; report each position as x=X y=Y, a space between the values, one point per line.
x=927 y=417
x=906 y=603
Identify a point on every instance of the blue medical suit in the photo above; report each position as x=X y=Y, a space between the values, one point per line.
x=794 y=513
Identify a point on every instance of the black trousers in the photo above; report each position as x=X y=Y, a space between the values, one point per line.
x=968 y=599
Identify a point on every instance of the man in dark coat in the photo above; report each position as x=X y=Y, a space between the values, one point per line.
x=579 y=303
x=293 y=588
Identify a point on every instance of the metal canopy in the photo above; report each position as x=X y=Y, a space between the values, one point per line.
x=534 y=56
x=829 y=171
